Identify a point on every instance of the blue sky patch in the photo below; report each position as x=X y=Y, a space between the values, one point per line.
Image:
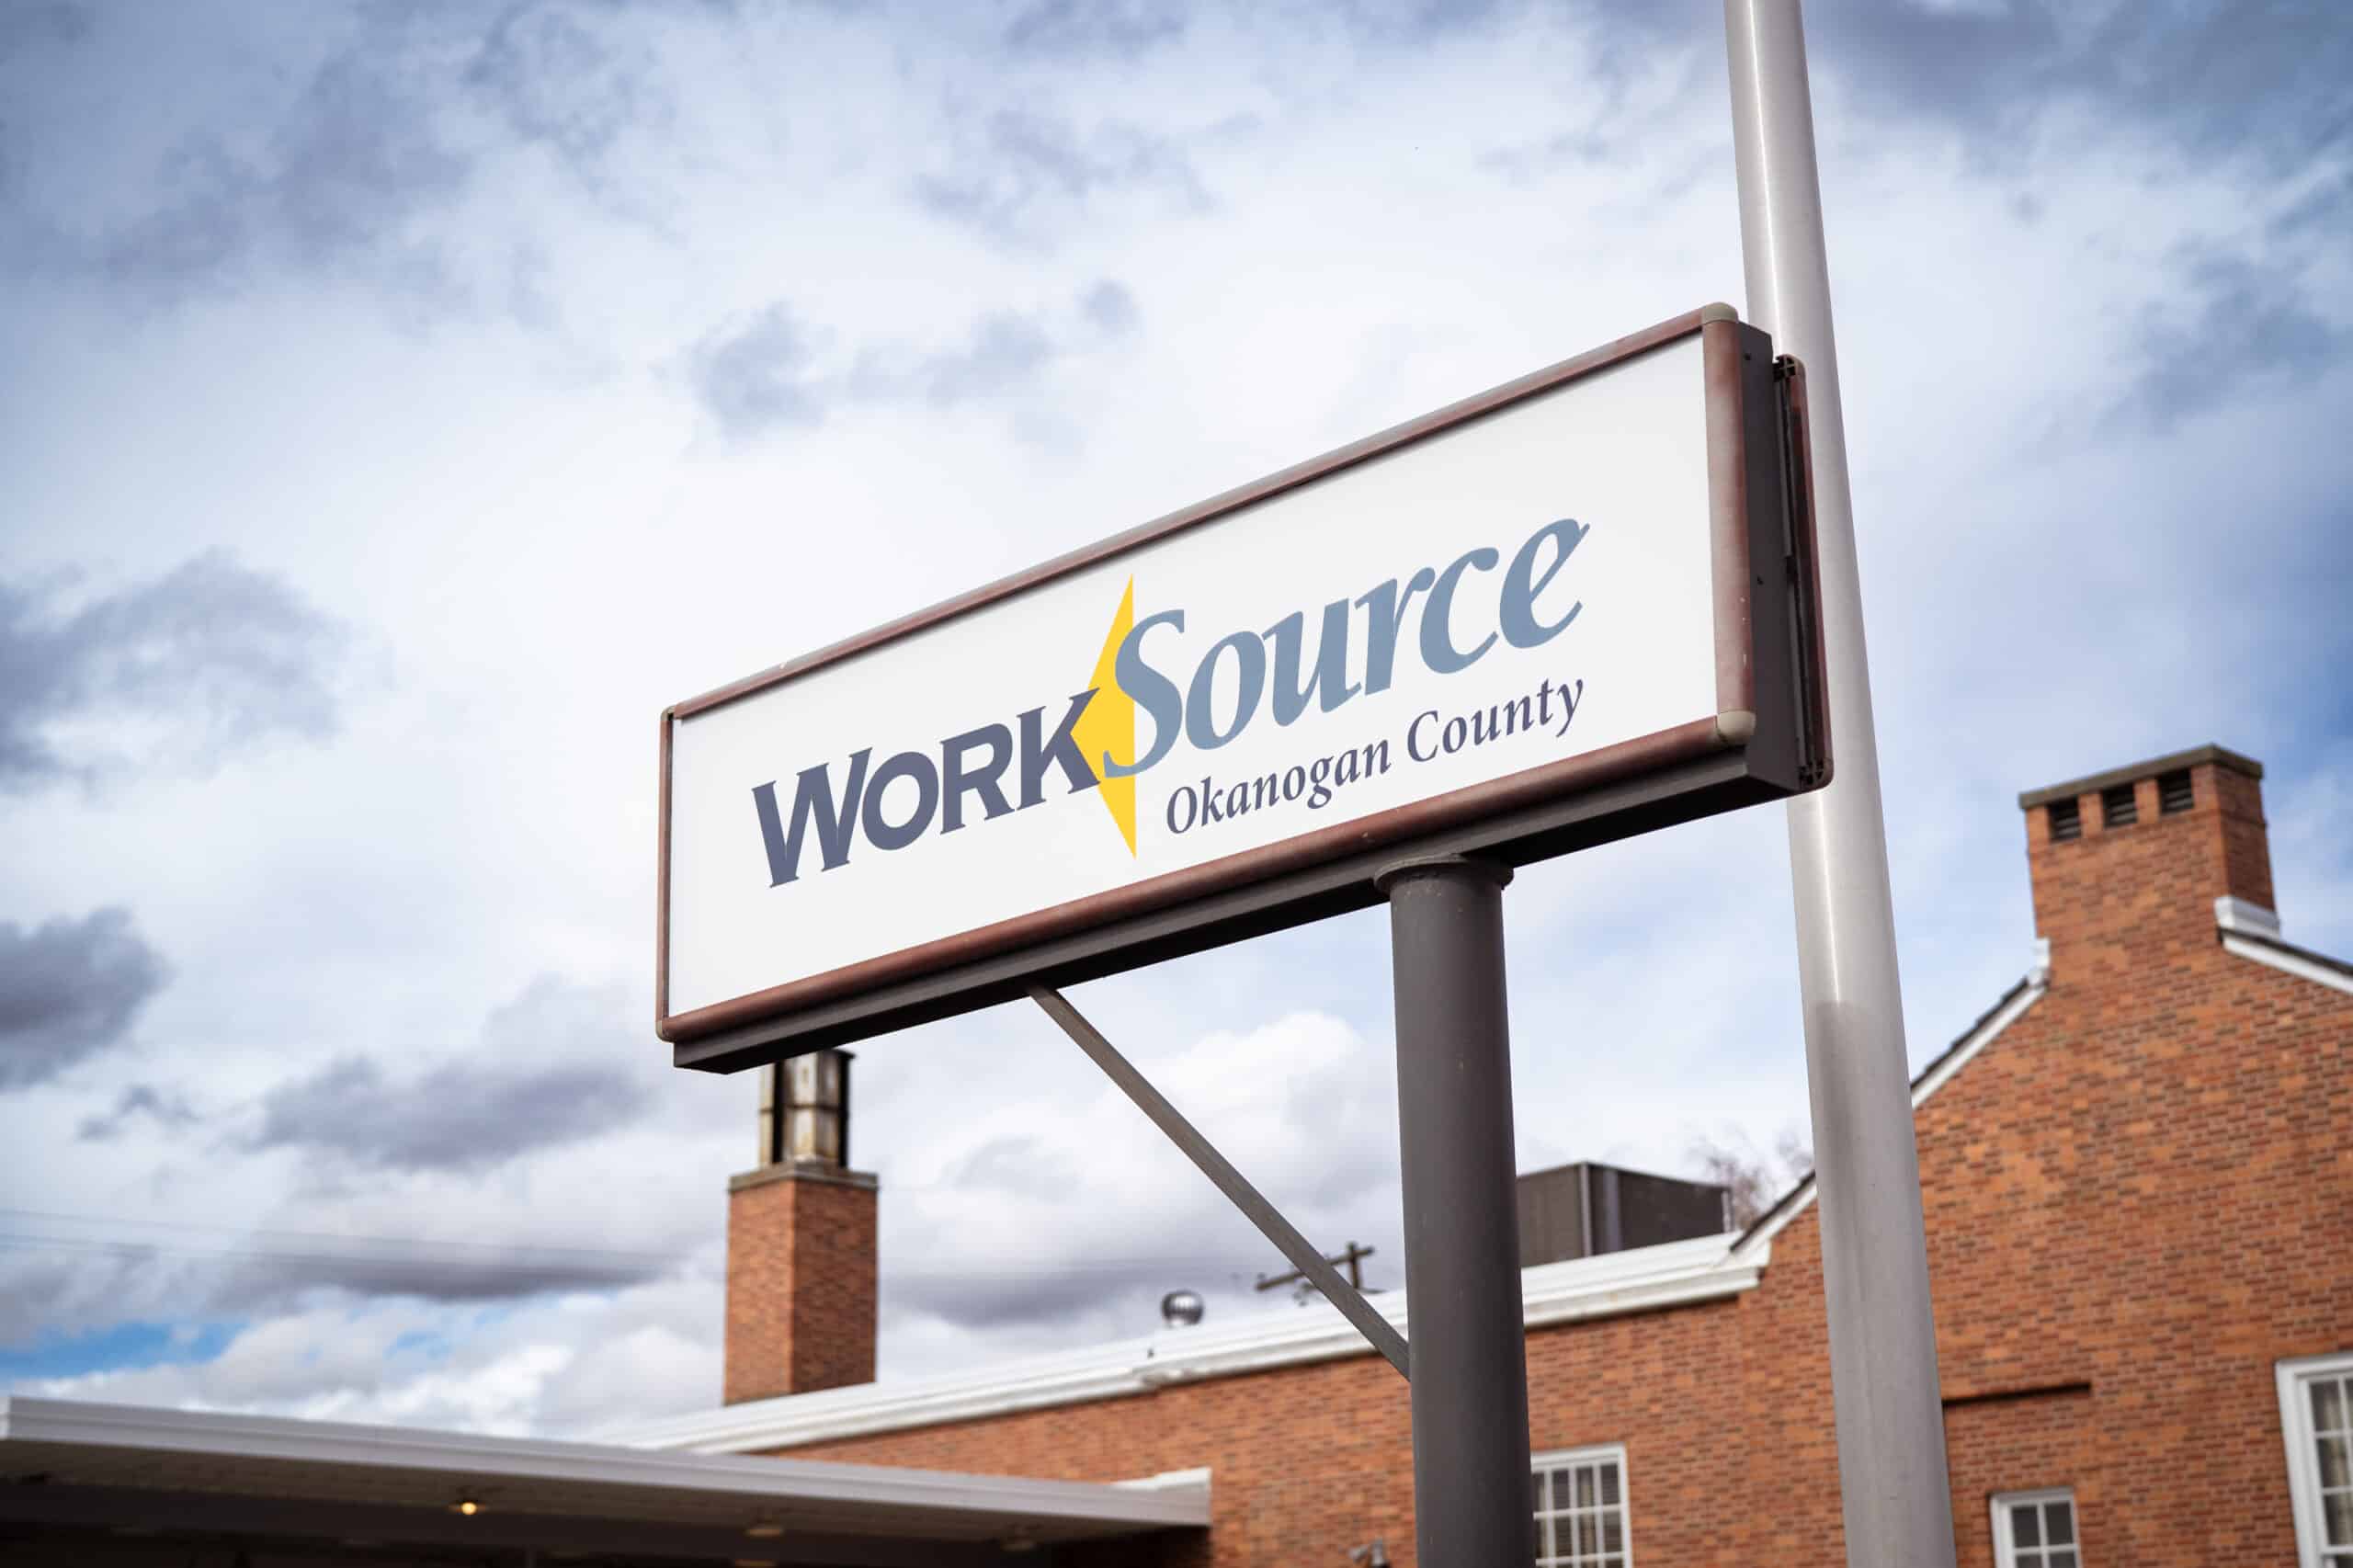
x=124 y=1346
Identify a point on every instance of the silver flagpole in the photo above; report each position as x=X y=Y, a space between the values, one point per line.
x=1894 y=1490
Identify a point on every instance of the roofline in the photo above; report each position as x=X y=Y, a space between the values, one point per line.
x=1182 y=1500
x=1637 y=1279
x=2221 y=757
x=1989 y=1026
x=2302 y=962
x=1621 y=1170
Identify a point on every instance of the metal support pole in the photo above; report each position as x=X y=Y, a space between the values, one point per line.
x=1271 y=1224
x=1471 y=1503
x=1892 y=1481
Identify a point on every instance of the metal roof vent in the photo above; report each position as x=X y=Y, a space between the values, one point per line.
x=2118 y=808
x=2173 y=793
x=2066 y=821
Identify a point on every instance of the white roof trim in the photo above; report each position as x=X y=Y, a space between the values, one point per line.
x=2288 y=961
x=2238 y=914
x=1181 y=1499
x=1941 y=1073
x=1636 y=1280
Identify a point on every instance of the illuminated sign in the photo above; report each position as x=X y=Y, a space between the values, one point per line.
x=1451 y=636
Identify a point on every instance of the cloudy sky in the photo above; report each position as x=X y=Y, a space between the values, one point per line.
x=404 y=401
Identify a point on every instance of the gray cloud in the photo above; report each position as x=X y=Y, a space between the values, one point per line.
x=1080 y=1301
x=1127 y=29
x=1005 y=350
x=1018 y=1281
x=760 y=373
x=68 y=990
x=1000 y=1236
x=755 y=374
x=462 y=1116
x=364 y=168
x=2232 y=320
x=1027 y=173
x=55 y=1268
x=1111 y=307
x=285 y=1270
x=30 y=24
x=2263 y=77
x=1020 y=1167
x=212 y=654
x=1418 y=21
x=164 y=1107
x=562 y=84
x=499 y=1138
x=338 y=184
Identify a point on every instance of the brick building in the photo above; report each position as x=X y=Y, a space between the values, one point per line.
x=2138 y=1168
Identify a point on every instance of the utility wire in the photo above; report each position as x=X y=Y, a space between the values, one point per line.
x=120 y=1237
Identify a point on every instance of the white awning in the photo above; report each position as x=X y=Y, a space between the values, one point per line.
x=69 y=1466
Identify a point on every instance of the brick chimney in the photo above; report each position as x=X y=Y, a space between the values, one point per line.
x=2128 y=865
x=801 y=1242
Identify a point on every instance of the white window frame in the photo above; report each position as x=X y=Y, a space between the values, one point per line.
x=1541 y=1463
x=2303 y=1461
x=2006 y=1552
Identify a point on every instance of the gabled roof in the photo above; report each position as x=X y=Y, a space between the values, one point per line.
x=1934 y=1076
x=2245 y=930
x=2247 y=933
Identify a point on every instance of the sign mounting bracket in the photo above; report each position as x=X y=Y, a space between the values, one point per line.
x=1304 y=1254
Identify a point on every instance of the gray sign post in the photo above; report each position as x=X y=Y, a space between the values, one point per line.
x=1468 y=1344
x=1892 y=1481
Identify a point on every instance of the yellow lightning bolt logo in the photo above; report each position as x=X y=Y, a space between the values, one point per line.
x=1108 y=725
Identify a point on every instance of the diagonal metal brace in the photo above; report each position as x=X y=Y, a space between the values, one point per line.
x=1303 y=1255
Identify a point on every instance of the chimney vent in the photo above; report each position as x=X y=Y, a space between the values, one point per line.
x=804 y=1110
x=2066 y=819
x=2174 y=793
x=2116 y=806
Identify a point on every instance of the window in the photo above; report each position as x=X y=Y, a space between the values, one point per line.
x=2066 y=821
x=2035 y=1530
x=2316 y=1416
x=2118 y=808
x=1581 y=1509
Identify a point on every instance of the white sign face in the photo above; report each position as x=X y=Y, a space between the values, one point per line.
x=1532 y=584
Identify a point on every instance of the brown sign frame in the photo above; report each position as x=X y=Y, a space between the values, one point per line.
x=1768 y=738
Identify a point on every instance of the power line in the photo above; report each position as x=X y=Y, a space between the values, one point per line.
x=124 y=1223
x=129 y=1237
x=1350 y=1258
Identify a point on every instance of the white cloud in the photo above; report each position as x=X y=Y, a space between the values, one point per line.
x=551 y=1366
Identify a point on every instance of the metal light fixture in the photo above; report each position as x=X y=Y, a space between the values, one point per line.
x=763 y=1530
x=466 y=1505
x=1375 y=1555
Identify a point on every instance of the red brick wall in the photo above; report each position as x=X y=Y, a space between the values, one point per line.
x=2139 y=1198
x=801 y=1263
